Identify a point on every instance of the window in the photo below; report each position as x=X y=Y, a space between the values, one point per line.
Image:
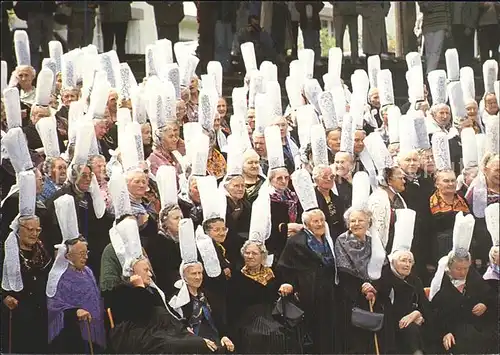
x=324 y=24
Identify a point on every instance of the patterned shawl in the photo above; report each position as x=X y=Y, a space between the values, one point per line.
x=290 y=198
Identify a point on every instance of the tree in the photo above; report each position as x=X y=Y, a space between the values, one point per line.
x=327 y=41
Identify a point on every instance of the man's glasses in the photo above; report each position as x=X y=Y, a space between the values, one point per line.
x=32 y=230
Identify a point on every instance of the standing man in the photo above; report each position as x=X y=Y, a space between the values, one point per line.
x=295 y=19
x=115 y=16
x=206 y=29
x=39 y=15
x=374 y=31
x=465 y=16
x=436 y=25
x=81 y=23
x=310 y=25
x=344 y=14
x=489 y=28
x=168 y=16
x=225 y=27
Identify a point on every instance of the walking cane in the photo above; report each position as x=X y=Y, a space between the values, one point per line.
x=377 y=351
x=10 y=331
x=90 y=337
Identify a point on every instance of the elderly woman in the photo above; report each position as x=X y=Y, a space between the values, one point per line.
x=259 y=144
x=98 y=167
x=331 y=204
x=353 y=254
x=198 y=313
x=490 y=106
x=252 y=293
x=466 y=315
x=333 y=140
x=472 y=116
x=147 y=139
x=24 y=310
x=409 y=307
x=25 y=75
x=343 y=168
x=383 y=129
x=307 y=265
x=54 y=170
x=216 y=163
x=77 y=300
x=164 y=143
x=137 y=184
x=251 y=174
x=290 y=148
x=250 y=119
x=191 y=99
x=220 y=135
x=148 y=326
x=190 y=203
x=224 y=119
x=285 y=211
x=427 y=170
x=445 y=203
x=163 y=250
x=384 y=201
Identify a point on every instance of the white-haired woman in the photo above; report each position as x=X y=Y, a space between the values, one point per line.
x=409 y=311
x=466 y=316
x=353 y=256
x=251 y=174
x=165 y=141
x=143 y=324
x=252 y=294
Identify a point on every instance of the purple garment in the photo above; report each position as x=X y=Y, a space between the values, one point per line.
x=77 y=290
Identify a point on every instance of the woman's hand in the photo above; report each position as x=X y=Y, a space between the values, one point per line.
x=285 y=289
x=479 y=309
x=409 y=318
x=227 y=272
x=227 y=343
x=367 y=287
x=211 y=345
x=137 y=281
x=448 y=341
x=82 y=314
x=294 y=228
x=10 y=302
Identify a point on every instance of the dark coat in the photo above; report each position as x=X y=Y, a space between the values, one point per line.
x=238 y=227
x=168 y=12
x=115 y=11
x=314 y=282
x=335 y=221
x=314 y=23
x=453 y=309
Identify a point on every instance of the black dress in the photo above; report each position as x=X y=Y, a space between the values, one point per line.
x=143 y=325
x=334 y=213
x=238 y=225
x=406 y=295
x=453 y=309
x=200 y=318
x=315 y=283
x=29 y=323
x=253 y=328
x=165 y=256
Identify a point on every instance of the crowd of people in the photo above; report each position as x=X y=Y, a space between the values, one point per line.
x=140 y=216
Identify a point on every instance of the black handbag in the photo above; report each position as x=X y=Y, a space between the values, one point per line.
x=287 y=313
x=367 y=320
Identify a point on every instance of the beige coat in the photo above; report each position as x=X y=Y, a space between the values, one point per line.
x=374 y=31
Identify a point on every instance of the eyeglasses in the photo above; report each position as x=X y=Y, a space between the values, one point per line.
x=219 y=230
x=81 y=254
x=32 y=230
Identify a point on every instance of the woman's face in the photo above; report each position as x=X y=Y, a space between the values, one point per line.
x=358 y=223
x=333 y=140
x=216 y=123
x=316 y=224
x=490 y=104
x=194 y=193
x=25 y=77
x=446 y=182
x=469 y=175
x=471 y=110
x=169 y=139
x=112 y=102
x=84 y=179
x=251 y=166
x=193 y=88
x=59 y=171
x=397 y=180
x=325 y=179
x=78 y=255
x=442 y=116
x=146 y=134
x=137 y=185
x=404 y=263
x=427 y=162
x=283 y=126
x=99 y=169
x=222 y=107
x=385 y=118
x=236 y=188
x=359 y=141
x=280 y=179
x=218 y=231
x=101 y=128
x=251 y=118
x=410 y=163
x=69 y=96
x=171 y=222
x=142 y=268
x=181 y=111
x=459 y=269
x=343 y=164
x=492 y=172
x=29 y=231
x=193 y=275
x=39 y=181
x=253 y=256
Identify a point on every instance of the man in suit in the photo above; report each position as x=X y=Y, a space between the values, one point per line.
x=168 y=16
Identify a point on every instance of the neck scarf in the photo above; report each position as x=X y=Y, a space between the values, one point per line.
x=36 y=258
x=290 y=198
x=353 y=255
x=216 y=164
x=263 y=276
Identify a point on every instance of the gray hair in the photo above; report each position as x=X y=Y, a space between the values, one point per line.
x=306 y=216
x=435 y=108
x=365 y=211
x=273 y=172
x=158 y=133
x=318 y=170
x=261 y=246
x=28 y=218
x=460 y=254
x=48 y=165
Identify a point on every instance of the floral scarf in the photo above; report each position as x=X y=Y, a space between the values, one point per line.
x=290 y=198
x=37 y=258
x=263 y=276
x=439 y=205
x=216 y=164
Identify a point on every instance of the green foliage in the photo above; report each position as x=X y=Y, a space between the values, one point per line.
x=326 y=41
